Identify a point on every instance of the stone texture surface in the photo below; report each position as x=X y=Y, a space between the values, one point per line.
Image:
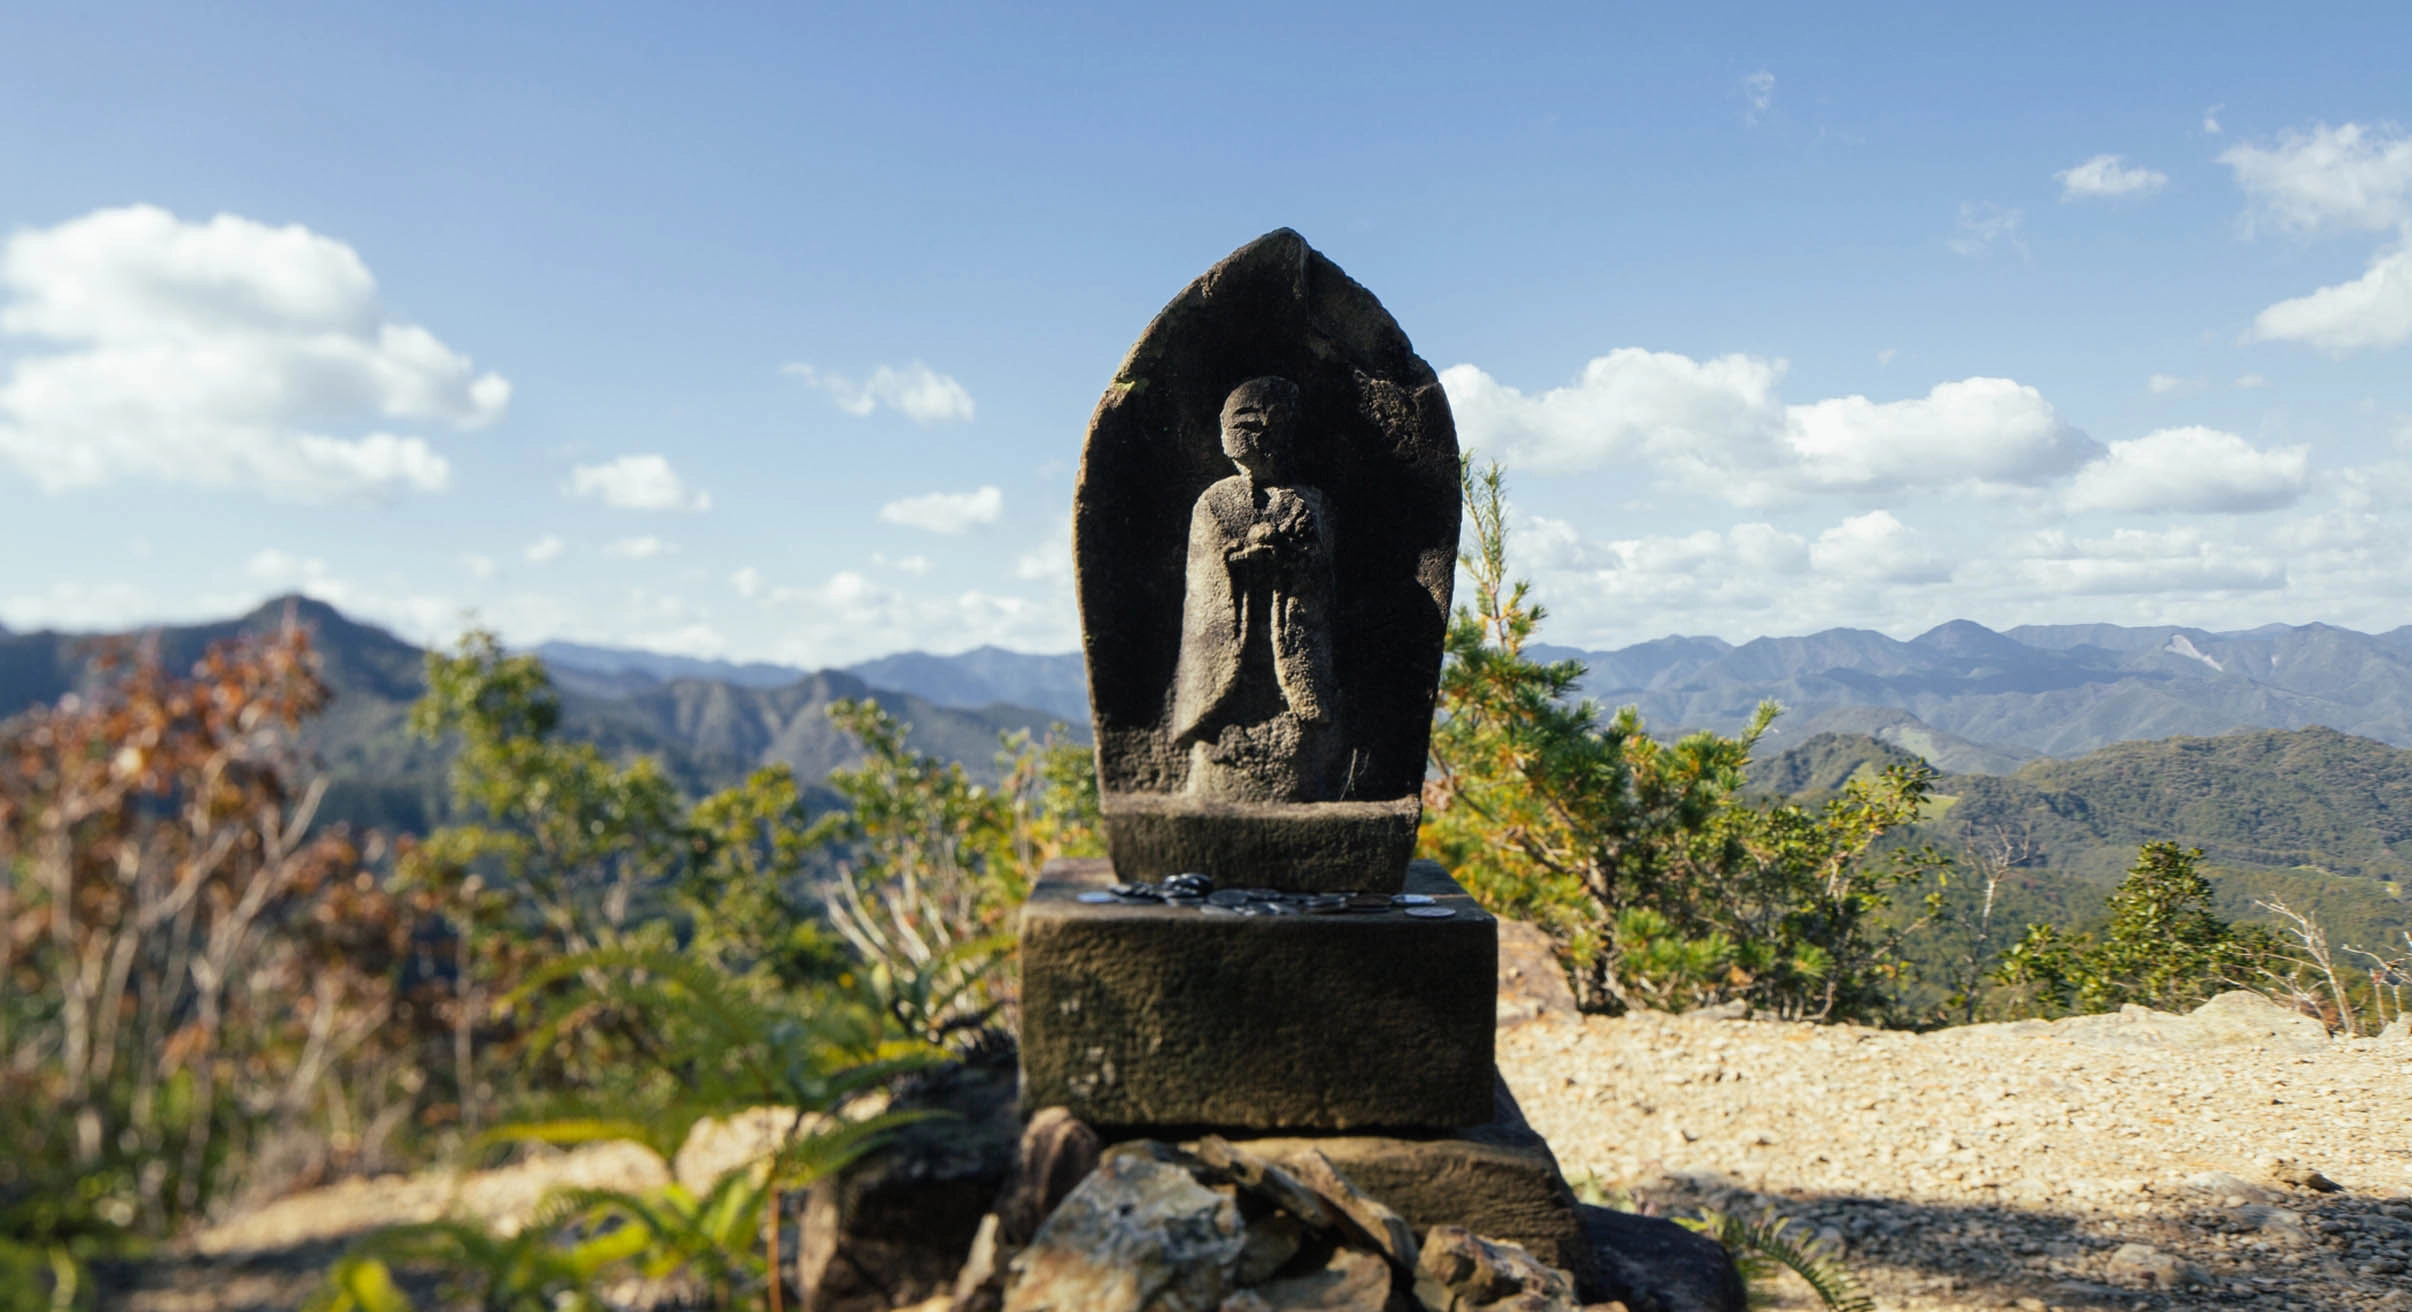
x=1651 y=1264
x=1057 y=1152
x=1297 y=847
x=1497 y=1179
x=1532 y=983
x=1350 y=1280
x=2237 y=1018
x=1158 y=1016
x=1374 y=441
x=1461 y=1270
x=897 y=1225
x=1140 y=1234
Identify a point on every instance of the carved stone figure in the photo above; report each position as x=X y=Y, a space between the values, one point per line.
x=1263 y=645
x=1253 y=694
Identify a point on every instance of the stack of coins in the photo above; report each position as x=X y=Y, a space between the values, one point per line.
x=1198 y=891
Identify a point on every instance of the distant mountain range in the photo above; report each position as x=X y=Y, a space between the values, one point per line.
x=1982 y=699
x=708 y=732
x=2321 y=815
x=1966 y=698
x=983 y=676
x=1962 y=696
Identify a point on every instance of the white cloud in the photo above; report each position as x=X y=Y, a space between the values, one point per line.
x=2135 y=561
x=946 y=512
x=220 y=354
x=1049 y=563
x=2211 y=120
x=270 y=565
x=1751 y=579
x=2374 y=310
x=2191 y=469
x=1878 y=547
x=2251 y=381
x=1988 y=432
x=851 y=616
x=544 y=549
x=915 y=391
x=2104 y=176
x=1885 y=356
x=1758 y=92
x=420 y=617
x=915 y=564
x=747 y=582
x=686 y=640
x=2348 y=178
x=83 y=607
x=479 y=567
x=1629 y=403
x=647 y=547
x=1982 y=223
x=638 y=482
x=2162 y=384
x=1718 y=425
x=1653 y=566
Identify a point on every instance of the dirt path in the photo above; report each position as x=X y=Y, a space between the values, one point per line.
x=2138 y=1161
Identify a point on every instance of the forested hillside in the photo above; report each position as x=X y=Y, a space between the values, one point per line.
x=706 y=733
x=2320 y=819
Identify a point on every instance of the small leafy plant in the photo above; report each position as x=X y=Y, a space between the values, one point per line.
x=1761 y=1247
x=713 y=1049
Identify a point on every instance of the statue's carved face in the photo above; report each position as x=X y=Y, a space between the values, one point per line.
x=1257 y=420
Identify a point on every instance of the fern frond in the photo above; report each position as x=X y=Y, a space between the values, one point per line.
x=807 y=1158
x=1758 y=1246
x=566 y=1130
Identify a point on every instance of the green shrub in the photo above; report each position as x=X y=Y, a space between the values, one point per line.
x=1664 y=884
x=2162 y=947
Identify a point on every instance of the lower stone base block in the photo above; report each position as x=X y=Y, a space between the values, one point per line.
x=1297 y=847
x=1138 y=1017
x=1497 y=1179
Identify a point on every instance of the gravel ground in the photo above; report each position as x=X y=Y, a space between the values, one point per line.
x=2138 y=1161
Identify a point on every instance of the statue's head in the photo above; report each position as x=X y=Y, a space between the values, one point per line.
x=1259 y=418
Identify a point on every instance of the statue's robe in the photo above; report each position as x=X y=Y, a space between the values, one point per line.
x=1256 y=640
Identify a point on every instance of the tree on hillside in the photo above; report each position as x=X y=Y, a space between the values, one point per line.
x=931 y=865
x=1664 y=885
x=580 y=838
x=2163 y=947
x=191 y=980
x=564 y=851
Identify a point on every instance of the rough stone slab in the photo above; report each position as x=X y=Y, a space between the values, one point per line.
x=1153 y=1017
x=1497 y=1179
x=1651 y=1264
x=1304 y=847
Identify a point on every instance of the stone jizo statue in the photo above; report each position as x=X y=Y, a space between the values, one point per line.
x=1266 y=532
x=1254 y=696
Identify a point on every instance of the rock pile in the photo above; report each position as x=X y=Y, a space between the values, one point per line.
x=1157 y=1227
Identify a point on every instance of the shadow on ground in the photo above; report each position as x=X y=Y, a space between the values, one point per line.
x=2325 y=1252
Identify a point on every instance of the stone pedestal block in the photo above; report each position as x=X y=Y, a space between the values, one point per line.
x=1160 y=1017
x=1497 y=1179
x=1312 y=847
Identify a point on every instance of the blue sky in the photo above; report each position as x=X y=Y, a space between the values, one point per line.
x=771 y=332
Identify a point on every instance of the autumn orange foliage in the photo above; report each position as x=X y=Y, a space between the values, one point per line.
x=189 y=973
